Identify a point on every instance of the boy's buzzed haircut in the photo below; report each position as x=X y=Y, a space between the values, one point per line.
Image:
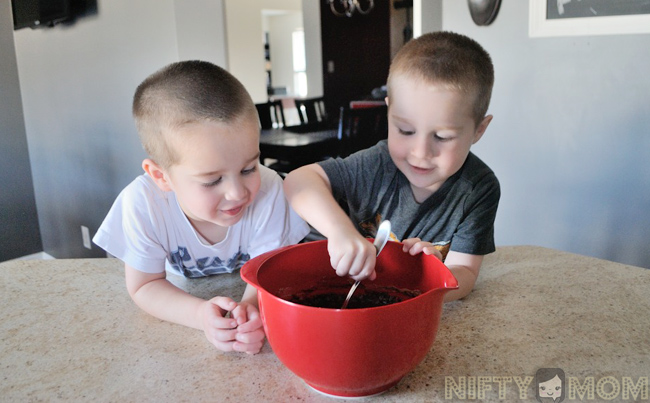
x=451 y=59
x=183 y=93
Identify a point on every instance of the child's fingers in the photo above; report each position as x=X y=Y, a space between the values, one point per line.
x=240 y=314
x=408 y=243
x=342 y=264
x=223 y=339
x=432 y=250
x=248 y=348
x=250 y=342
x=362 y=264
x=225 y=303
x=241 y=332
x=224 y=335
x=422 y=246
x=248 y=317
x=250 y=337
x=367 y=269
x=219 y=325
x=254 y=323
x=417 y=247
x=349 y=255
x=215 y=314
x=226 y=346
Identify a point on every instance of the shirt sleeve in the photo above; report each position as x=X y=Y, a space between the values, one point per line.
x=128 y=231
x=475 y=233
x=356 y=177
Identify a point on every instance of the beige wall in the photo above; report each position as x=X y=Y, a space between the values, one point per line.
x=245 y=40
x=200 y=31
x=281 y=30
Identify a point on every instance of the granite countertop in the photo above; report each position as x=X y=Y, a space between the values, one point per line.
x=70 y=331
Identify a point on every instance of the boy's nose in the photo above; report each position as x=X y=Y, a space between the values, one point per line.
x=422 y=147
x=236 y=190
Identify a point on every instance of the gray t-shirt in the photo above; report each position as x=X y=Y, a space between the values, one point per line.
x=458 y=216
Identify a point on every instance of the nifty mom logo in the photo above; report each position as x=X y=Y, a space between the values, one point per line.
x=550 y=385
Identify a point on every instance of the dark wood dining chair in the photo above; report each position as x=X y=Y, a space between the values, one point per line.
x=271 y=114
x=361 y=128
x=283 y=150
x=311 y=110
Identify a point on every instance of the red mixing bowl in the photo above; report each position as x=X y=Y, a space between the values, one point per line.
x=350 y=352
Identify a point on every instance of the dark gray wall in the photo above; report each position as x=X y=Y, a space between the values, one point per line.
x=19 y=231
x=570 y=139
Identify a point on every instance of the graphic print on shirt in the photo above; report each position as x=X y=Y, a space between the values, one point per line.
x=182 y=261
x=443 y=247
x=369 y=230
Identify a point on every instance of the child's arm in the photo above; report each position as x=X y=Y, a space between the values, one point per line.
x=463 y=266
x=250 y=295
x=310 y=194
x=158 y=297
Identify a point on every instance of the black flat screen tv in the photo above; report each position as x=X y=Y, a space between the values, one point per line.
x=39 y=13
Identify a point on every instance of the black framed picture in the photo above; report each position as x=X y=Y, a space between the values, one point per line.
x=588 y=17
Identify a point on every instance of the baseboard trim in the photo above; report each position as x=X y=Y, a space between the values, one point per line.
x=36 y=256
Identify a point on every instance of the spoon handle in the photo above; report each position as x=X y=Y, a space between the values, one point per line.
x=347 y=299
x=383 y=233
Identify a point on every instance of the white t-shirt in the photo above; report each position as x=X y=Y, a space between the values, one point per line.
x=147 y=229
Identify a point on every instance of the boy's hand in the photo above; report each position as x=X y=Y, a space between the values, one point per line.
x=415 y=245
x=352 y=255
x=241 y=332
x=250 y=333
x=219 y=329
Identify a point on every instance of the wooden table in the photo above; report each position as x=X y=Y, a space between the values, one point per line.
x=70 y=332
x=298 y=148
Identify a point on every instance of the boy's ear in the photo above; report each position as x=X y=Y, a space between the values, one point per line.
x=156 y=173
x=386 y=100
x=482 y=127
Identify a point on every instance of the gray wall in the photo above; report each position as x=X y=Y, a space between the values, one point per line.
x=570 y=139
x=200 y=30
x=77 y=83
x=19 y=232
x=431 y=19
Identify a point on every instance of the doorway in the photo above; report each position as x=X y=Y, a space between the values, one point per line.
x=284 y=53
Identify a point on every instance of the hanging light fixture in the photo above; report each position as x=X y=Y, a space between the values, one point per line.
x=346 y=8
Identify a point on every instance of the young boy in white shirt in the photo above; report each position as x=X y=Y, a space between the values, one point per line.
x=204 y=204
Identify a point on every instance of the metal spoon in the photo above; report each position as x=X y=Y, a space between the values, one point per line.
x=383 y=233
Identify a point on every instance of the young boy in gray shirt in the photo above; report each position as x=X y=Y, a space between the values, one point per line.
x=440 y=198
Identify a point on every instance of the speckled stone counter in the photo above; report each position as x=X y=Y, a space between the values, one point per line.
x=69 y=331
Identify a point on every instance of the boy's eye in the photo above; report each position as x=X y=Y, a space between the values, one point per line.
x=405 y=131
x=439 y=138
x=213 y=183
x=249 y=171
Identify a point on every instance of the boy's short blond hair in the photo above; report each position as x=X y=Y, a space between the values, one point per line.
x=449 y=59
x=183 y=93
